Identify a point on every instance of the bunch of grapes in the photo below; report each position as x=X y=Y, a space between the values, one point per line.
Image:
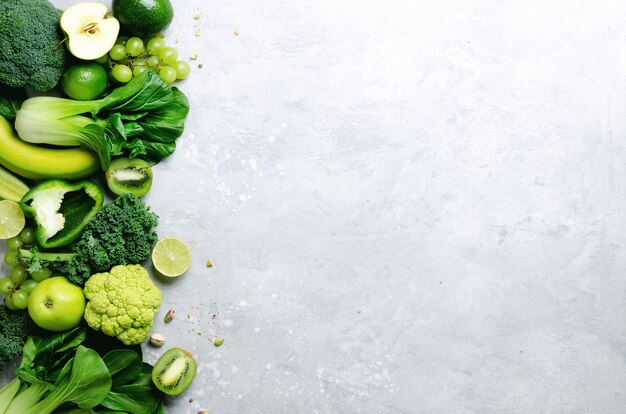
x=131 y=56
x=18 y=285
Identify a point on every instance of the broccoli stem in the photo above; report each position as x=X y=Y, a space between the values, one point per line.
x=47 y=256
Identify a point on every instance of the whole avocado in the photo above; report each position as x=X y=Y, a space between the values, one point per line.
x=143 y=17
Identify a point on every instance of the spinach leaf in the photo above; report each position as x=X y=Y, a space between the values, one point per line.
x=132 y=390
x=144 y=119
x=43 y=358
x=84 y=380
x=10 y=101
x=143 y=93
x=155 y=134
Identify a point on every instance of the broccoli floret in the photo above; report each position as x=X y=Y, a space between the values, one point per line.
x=15 y=327
x=120 y=233
x=31 y=53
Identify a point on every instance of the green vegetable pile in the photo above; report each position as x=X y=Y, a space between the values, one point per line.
x=141 y=118
x=121 y=232
x=59 y=370
x=78 y=301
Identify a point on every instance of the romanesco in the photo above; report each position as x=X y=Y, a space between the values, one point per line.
x=122 y=303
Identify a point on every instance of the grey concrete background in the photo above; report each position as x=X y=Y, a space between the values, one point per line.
x=411 y=206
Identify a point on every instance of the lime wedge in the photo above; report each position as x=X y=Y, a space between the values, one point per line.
x=171 y=257
x=12 y=219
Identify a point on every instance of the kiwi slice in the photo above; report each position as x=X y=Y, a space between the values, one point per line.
x=174 y=371
x=129 y=175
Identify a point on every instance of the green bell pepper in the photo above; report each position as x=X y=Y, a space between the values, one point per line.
x=61 y=209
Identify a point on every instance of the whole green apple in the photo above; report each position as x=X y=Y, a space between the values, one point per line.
x=56 y=304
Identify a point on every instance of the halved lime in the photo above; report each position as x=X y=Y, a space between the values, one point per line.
x=171 y=257
x=12 y=219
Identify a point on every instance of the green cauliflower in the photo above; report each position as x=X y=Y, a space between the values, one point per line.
x=122 y=303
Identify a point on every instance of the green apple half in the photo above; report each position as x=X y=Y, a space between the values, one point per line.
x=56 y=304
x=90 y=28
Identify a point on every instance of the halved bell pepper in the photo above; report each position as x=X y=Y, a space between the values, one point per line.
x=61 y=209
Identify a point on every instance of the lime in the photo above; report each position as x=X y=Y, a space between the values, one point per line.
x=12 y=219
x=171 y=257
x=84 y=81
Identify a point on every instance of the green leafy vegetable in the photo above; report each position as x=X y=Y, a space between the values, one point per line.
x=132 y=390
x=10 y=101
x=143 y=117
x=56 y=370
x=84 y=380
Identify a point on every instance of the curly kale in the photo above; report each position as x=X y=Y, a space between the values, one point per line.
x=31 y=53
x=15 y=327
x=122 y=232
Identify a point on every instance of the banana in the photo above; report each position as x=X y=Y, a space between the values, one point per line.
x=37 y=162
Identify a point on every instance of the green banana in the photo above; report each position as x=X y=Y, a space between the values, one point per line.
x=37 y=162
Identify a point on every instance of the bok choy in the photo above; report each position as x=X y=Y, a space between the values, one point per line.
x=142 y=118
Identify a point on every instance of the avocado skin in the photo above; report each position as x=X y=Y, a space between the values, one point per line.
x=143 y=17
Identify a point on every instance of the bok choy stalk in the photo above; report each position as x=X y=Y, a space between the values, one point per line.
x=142 y=118
x=56 y=370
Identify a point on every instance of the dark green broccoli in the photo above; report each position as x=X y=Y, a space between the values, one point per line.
x=31 y=52
x=15 y=327
x=121 y=232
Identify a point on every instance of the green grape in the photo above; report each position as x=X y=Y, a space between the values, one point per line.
x=140 y=62
x=28 y=285
x=11 y=258
x=6 y=285
x=121 y=40
x=102 y=59
x=168 y=74
x=138 y=70
x=8 y=302
x=27 y=235
x=40 y=275
x=153 y=61
x=117 y=52
x=20 y=299
x=134 y=46
x=155 y=45
x=182 y=69
x=14 y=243
x=121 y=73
x=168 y=55
x=18 y=273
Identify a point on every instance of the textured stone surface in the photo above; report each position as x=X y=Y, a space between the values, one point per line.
x=411 y=206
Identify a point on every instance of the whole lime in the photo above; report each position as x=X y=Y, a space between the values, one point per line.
x=143 y=17
x=84 y=81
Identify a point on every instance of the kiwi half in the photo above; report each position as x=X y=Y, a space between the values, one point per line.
x=174 y=371
x=129 y=175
